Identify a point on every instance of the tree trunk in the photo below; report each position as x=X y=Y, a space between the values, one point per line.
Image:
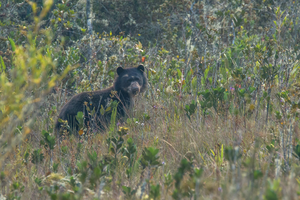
x=90 y=32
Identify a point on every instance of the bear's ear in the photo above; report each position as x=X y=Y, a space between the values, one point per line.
x=120 y=70
x=141 y=67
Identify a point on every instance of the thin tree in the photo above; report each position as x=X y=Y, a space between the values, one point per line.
x=90 y=31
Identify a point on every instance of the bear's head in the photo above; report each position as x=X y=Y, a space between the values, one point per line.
x=131 y=80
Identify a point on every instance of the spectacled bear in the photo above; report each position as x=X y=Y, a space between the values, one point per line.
x=127 y=85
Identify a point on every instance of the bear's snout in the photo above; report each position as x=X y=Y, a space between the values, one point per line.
x=135 y=91
x=135 y=88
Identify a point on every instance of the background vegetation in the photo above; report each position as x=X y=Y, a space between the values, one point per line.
x=220 y=119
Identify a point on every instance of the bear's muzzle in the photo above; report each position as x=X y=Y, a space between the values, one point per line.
x=135 y=88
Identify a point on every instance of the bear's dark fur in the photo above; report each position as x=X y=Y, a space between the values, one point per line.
x=128 y=84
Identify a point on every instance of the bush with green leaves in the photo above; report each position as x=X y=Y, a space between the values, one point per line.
x=24 y=86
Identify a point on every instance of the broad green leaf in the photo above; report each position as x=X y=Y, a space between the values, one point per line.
x=179 y=73
x=2 y=63
x=206 y=73
x=12 y=43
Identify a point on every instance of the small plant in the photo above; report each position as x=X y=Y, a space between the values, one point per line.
x=168 y=180
x=232 y=154
x=26 y=157
x=80 y=122
x=218 y=156
x=185 y=188
x=129 y=193
x=115 y=147
x=96 y=167
x=154 y=191
x=37 y=156
x=55 y=167
x=48 y=142
x=113 y=107
x=130 y=152
x=296 y=152
x=38 y=181
x=215 y=98
x=271 y=191
x=16 y=189
x=150 y=158
x=190 y=109
x=115 y=143
x=83 y=170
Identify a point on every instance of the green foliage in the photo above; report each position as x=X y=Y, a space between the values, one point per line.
x=232 y=154
x=16 y=190
x=29 y=80
x=26 y=157
x=257 y=174
x=129 y=193
x=150 y=158
x=297 y=150
x=83 y=170
x=80 y=120
x=47 y=141
x=155 y=191
x=270 y=195
x=12 y=43
x=271 y=192
x=271 y=146
x=115 y=143
x=37 y=156
x=190 y=109
x=213 y=98
x=113 y=107
x=185 y=189
x=55 y=167
x=219 y=155
x=3 y=67
x=185 y=166
x=130 y=151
